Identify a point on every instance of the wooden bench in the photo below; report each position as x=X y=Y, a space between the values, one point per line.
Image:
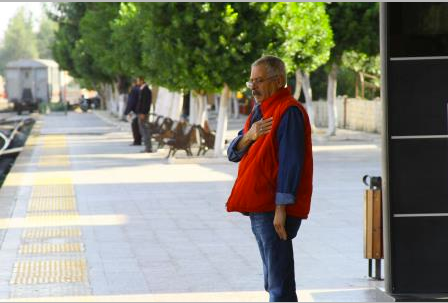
x=206 y=140
x=167 y=131
x=183 y=139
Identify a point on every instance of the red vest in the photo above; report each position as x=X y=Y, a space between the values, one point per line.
x=255 y=187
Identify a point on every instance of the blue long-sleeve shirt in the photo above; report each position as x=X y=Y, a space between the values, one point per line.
x=291 y=142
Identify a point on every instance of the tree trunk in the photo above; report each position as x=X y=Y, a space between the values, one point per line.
x=155 y=93
x=221 y=128
x=109 y=101
x=331 y=100
x=308 y=92
x=102 y=94
x=178 y=103
x=236 y=110
x=202 y=110
x=192 y=115
x=198 y=108
x=122 y=105
x=116 y=99
x=298 y=84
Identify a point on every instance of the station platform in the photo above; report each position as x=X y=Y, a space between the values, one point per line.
x=84 y=216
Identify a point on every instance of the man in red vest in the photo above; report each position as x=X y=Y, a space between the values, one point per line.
x=275 y=173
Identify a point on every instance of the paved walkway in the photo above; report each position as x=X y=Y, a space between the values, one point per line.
x=85 y=214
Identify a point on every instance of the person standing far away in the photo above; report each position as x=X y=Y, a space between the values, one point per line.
x=275 y=173
x=131 y=107
x=143 y=108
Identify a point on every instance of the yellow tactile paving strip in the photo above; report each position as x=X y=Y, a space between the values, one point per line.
x=48 y=233
x=49 y=271
x=51 y=249
x=48 y=248
x=52 y=204
x=52 y=190
x=53 y=141
x=54 y=151
x=54 y=215
x=51 y=150
x=54 y=161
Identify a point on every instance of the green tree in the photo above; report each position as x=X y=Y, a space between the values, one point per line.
x=96 y=37
x=361 y=62
x=356 y=28
x=126 y=39
x=205 y=47
x=307 y=40
x=96 y=33
x=74 y=47
x=362 y=65
x=20 y=40
x=68 y=17
x=45 y=37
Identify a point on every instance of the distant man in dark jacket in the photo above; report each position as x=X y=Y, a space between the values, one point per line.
x=131 y=106
x=143 y=108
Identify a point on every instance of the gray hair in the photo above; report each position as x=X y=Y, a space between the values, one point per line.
x=274 y=65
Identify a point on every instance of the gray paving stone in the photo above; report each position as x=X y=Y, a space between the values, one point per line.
x=178 y=236
x=159 y=273
x=121 y=265
x=127 y=283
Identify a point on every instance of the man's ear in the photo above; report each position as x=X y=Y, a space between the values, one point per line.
x=281 y=82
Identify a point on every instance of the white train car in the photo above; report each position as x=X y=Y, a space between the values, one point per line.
x=30 y=82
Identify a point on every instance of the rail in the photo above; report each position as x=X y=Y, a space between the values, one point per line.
x=7 y=140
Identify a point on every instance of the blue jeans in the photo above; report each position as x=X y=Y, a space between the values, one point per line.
x=277 y=256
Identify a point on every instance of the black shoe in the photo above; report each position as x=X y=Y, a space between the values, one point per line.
x=135 y=144
x=147 y=151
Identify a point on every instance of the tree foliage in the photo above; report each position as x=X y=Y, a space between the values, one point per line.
x=202 y=46
x=304 y=28
x=68 y=17
x=93 y=42
x=95 y=31
x=45 y=37
x=356 y=28
x=71 y=50
x=361 y=62
x=126 y=38
x=20 y=40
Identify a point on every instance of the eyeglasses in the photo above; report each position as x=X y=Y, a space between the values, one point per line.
x=250 y=84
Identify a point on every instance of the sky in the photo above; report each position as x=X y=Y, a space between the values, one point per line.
x=8 y=10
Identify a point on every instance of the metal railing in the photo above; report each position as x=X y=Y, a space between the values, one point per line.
x=7 y=140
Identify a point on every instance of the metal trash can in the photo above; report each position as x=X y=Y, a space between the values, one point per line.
x=373 y=224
